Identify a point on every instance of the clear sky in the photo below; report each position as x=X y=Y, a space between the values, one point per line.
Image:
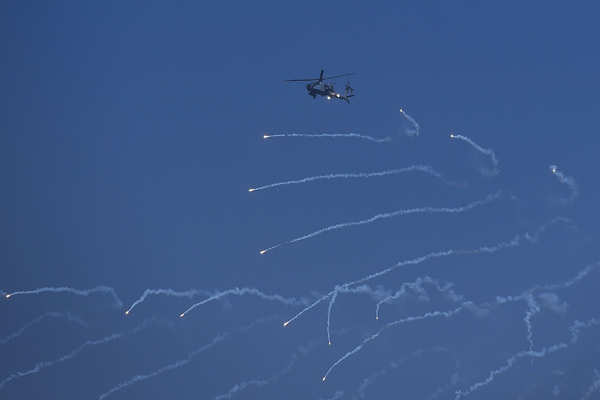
x=132 y=132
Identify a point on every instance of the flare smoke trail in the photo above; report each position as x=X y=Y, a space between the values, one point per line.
x=527 y=296
x=417 y=286
x=425 y=210
x=175 y=365
x=238 y=387
x=63 y=289
x=354 y=175
x=432 y=314
x=488 y=152
x=567 y=284
x=180 y=363
x=516 y=241
x=594 y=387
x=509 y=363
x=333 y=297
x=46 y=364
x=567 y=180
x=68 y=316
x=336 y=396
x=533 y=308
x=302 y=350
x=376 y=294
x=416 y=129
x=249 y=291
x=168 y=292
x=575 y=332
x=368 y=381
x=330 y=135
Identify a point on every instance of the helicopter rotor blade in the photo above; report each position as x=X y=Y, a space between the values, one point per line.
x=301 y=80
x=338 y=76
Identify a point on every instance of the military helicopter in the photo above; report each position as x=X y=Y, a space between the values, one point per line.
x=318 y=87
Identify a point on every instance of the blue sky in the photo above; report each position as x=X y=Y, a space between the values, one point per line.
x=133 y=132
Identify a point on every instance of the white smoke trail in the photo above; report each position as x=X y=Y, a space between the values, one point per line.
x=488 y=152
x=416 y=129
x=168 y=292
x=64 y=289
x=432 y=314
x=52 y=314
x=509 y=363
x=594 y=387
x=414 y=261
x=249 y=291
x=516 y=241
x=527 y=296
x=567 y=180
x=575 y=332
x=533 y=308
x=417 y=286
x=567 y=284
x=576 y=327
x=239 y=387
x=175 y=365
x=46 y=364
x=354 y=175
x=371 y=379
x=376 y=294
x=329 y=135
x=336 y=396
x=180 y=363
x=420 y=210
x=302 y=350
x=331 y=301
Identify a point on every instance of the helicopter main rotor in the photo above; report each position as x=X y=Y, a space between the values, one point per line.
x=320 y=78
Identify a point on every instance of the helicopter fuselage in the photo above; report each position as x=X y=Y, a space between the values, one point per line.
x=326 y=91
x=319 y=87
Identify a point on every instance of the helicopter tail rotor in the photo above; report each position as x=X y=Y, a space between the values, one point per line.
x=349 y=90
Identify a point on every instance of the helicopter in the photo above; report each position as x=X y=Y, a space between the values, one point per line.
x=318 y=87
